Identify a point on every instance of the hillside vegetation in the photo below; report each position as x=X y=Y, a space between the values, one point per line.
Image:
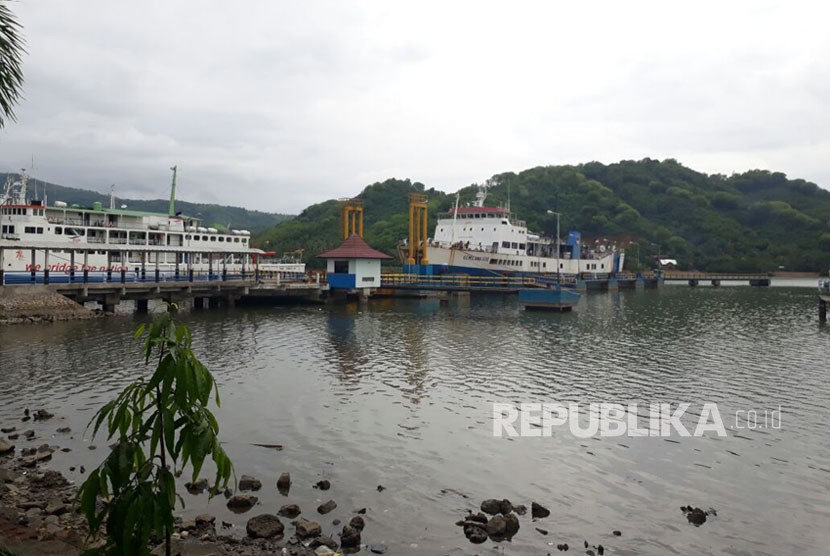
x=754 y=221
x=217 y=216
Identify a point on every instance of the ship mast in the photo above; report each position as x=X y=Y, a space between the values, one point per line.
x=173 y=193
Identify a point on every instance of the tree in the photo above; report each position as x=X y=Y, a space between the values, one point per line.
x=133 y=492
x=11 y=74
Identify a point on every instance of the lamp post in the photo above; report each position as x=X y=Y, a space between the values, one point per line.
x=558 y=278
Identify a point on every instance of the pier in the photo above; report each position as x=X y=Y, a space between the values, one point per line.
x=758 y=279
x=216 y=286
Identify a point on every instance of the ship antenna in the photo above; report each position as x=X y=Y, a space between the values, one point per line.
x=173 y=193
x=112 y=196
x=508 y=193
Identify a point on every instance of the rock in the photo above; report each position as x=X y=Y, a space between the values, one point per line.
x=361 y=511
x=42 y=415
x=323 y=550
x=6 y=475
x=600 y=550
x=92 y=447
x=323 y=485
x=496 y=527
x=543 y=531
x=323 y=541
x=563 y=547
x=45 y=449
x=335 y=522
x=290 y=511
x=6 y=448
x=349 y=537
x=249 y=483
x=378 y=548
x=188 y=525
x=475 y=534
x=306 y=529
x=537 y=510
x=325 y=508
x=55 y=506
x=29 y=434
x=479 y=518
x=205 y=519
x=491 y=506
x=381 y=488
x=64 y=430
x=284 y=483
x=265 y=526
x=242 y=503
x=82 y=470
x=505 y=507
x=14 y=436
x=616 y=533
x=198 y=487
x=512 y=525
x=7 y=430
x=357 y=522
x=28 y=451
x=49 y=479
x=696 y=517
x=521 y=509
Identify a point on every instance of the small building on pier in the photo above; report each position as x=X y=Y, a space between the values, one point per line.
x=354 y=267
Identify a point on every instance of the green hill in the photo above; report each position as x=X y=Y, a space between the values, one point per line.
x=754 y=221
x=211 y=215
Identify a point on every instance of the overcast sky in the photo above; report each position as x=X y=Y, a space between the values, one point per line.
x=277 y=105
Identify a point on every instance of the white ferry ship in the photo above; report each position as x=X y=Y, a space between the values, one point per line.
x=487 y=241
x=118 y=240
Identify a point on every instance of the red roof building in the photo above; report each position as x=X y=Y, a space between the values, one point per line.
x=354 y=248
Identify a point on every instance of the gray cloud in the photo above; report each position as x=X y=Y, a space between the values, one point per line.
x=276 y=105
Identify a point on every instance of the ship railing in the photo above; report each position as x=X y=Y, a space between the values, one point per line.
x=132 y=274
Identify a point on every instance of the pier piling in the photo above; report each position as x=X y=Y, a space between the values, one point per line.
x=822 y=310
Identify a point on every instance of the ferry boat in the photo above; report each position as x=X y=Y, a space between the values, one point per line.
x=118 y=240
x=486 y=241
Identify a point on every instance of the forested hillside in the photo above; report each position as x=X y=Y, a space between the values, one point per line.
x=754 y=221
x=211 y=215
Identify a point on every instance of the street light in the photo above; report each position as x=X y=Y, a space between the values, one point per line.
x=558 y=278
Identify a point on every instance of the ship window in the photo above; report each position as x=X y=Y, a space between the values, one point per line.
x=515 y=245
x=221 y=238
x=521 y=246
x=544 y=265
x=494 y=261
x=244 y=240
x=204 y=238
x=212 y=238
x=505 y=244
x=236 y=240
x=29 y=230
x=58 y=230
x=187 y=237
x=602 y=265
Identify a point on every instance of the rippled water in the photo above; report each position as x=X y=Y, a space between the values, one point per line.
x=399 y=393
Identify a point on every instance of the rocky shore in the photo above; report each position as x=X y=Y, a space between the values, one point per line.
x=34 y=304
x=39 y=513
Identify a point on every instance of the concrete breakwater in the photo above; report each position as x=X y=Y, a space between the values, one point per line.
x=39 y=304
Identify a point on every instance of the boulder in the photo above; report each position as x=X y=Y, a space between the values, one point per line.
x=475 y=534
x=491 y=506
x=323 y=541
x=290 y=511
x=42 y=415
x=357 y=522
x=197 y=487
x=496 y=527
x=325 y=508
x=242 y=503
x=537 y=510
x=696 y=516
x=349 y=537
x=306 y=529
x=265 y=526
x=7 y=430
x=512 y=525
x=521 y=509
x=6 y=448
x=323 y=485
x=249 y=483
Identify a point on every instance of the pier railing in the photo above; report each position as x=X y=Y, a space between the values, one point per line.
x=456 y=281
